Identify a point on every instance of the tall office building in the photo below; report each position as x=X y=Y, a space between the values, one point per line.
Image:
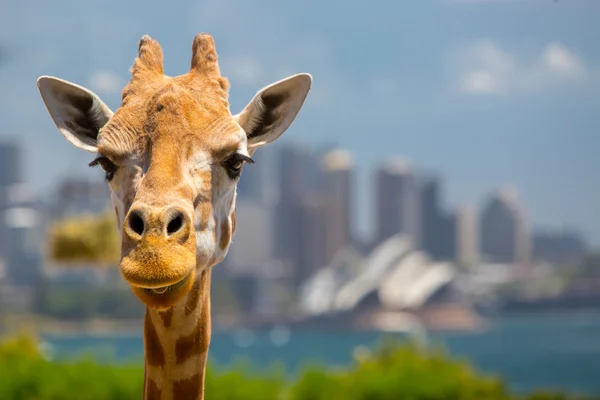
x=313 y=236
x=338 y=181
x=448 y=237
x=467 y=232
x=251 y=252
x=11 y=173
x=252 y=244
x=19 y=222
x=504 y=229
x=11 y=164
x=298 y=176
x=397 y=204
x=432 y=220
x=80 y=196
x=290 y=167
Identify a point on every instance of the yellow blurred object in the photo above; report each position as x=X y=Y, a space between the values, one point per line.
x=84 y=240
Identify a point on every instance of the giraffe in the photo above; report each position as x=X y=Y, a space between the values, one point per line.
x=172 y=154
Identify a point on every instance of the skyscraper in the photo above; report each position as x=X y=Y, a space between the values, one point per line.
x=291 y=186
x=80 y=196
x=18 y=218
x=397 y=204
x=11 y=164
x=338 y=181
x=252 y=243
x=432 y=229
x=313 y=236
x=467 y=232
x=20 y=223
x=298 y=176
x=448 y=237
x=504 y=231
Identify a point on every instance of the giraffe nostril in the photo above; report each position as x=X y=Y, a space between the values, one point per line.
x=136 y=223
x=175 y=224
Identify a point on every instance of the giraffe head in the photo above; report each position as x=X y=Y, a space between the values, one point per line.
x=173 y=154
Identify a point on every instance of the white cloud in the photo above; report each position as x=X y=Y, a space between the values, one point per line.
x=482 y=67
x=242 y=70
x=560 y=60
x=104 y=81
x=480 y=81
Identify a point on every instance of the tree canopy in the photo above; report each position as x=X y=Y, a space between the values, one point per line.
x=84 y=240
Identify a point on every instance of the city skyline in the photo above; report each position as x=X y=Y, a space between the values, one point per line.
x=298 y=223
x=452 y=85
x=264 y=189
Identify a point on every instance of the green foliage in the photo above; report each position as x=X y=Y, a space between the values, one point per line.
x=26 y=375
x=392 y=372
x=242 y=383
x=87 y=239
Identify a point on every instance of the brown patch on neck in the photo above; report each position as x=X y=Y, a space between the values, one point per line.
x=152 y=391
x=199 y=340
x=188 y=388
x=225 y=234
x=195 y=343
x=166 y=317
x=155 y=355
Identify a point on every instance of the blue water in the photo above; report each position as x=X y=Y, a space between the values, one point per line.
x=560 y=351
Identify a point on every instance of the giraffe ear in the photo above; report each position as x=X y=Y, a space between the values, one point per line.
x=77 y=112
x=273 y=109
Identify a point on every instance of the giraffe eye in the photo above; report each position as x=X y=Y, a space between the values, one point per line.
x=234 y=164
x=109 y=167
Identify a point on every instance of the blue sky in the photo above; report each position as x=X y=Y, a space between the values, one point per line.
x=486 y=92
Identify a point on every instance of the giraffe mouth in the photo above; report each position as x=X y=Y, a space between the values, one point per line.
x=166 y=290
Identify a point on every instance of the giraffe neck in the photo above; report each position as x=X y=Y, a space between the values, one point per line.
x=176 y=346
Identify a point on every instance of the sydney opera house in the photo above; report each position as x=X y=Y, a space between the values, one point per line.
x=395 y=288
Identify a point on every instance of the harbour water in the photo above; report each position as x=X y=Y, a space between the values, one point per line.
x=560 y=351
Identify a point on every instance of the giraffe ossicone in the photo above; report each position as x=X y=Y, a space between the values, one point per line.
x=173 y=154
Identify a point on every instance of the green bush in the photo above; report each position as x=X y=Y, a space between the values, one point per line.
x=393 y=371
x=26 y=375
x=241 y=383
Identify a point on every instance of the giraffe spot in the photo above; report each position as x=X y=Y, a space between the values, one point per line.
x=193 y=297
x=233 y=222
x=206 y=177
x=195 y=343
x=225 y=234
x=155 y=355
x=166 y=316
x=187 y=388
x=214 y=231
x=204 y=209
x=117 y=216
x=153 y=392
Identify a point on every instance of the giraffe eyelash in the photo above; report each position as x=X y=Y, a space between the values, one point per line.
x=109 y=167
x=231 y=163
